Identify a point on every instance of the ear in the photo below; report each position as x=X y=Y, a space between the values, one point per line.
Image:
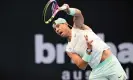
x=66 y=24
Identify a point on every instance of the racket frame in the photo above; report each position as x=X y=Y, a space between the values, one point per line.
x=54 y=13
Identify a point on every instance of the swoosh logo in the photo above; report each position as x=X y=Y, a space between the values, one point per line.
x=119 y=76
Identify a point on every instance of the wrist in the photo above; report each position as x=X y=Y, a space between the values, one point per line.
x=72 y=11
x=86 y=57
x=88 y=51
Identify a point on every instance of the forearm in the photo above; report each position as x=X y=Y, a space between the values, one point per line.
x=78 y=18
x=78 y=60
x=73 y=11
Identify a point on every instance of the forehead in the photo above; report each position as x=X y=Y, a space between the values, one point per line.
x=56 y=25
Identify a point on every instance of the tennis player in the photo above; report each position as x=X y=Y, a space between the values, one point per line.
x=85 y=47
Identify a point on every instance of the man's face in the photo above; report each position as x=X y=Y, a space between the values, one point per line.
x=62 y=29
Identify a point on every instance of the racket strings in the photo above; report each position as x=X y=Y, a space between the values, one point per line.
x=49 y=11
x=54 y=7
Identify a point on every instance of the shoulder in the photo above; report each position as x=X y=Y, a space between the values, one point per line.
x=83 y=27
x=69 y=47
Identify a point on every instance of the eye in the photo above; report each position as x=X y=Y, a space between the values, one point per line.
x=55 y=29
x=57 y=26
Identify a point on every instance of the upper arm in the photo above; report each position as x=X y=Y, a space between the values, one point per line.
x=78 y=19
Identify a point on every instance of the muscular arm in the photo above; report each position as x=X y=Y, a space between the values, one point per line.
x=78 y=18
x=77 y=60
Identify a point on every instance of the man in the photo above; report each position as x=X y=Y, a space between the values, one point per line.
x=85 y=47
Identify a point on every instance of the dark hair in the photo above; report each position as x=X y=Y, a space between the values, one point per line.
x=53 y=22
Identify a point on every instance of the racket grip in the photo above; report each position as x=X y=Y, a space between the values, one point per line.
x=63 y=7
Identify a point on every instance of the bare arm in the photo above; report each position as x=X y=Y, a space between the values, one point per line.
x=78 y=18
x=81 y=62
x=77 y=60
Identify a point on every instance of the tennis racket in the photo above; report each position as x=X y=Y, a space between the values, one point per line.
x=50 y=10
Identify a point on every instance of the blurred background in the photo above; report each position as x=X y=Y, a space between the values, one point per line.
x=30 y=49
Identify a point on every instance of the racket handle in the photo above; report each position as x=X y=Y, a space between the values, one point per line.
x=63 y=7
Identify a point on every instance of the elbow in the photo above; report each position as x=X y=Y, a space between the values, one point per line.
x=78 y=11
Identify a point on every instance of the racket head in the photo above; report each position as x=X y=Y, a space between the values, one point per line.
x=50 y=10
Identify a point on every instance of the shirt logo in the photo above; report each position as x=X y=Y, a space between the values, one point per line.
x=70 y=49
x=119 y=76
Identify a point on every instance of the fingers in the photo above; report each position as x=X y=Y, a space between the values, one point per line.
x=86 y=38
x=87 y=41
x=90 y=41
x=64 y=7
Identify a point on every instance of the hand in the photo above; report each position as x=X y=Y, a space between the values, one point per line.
x=89 y=43
x=64 y=7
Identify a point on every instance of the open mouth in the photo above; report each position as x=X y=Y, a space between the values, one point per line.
x=60 y=33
